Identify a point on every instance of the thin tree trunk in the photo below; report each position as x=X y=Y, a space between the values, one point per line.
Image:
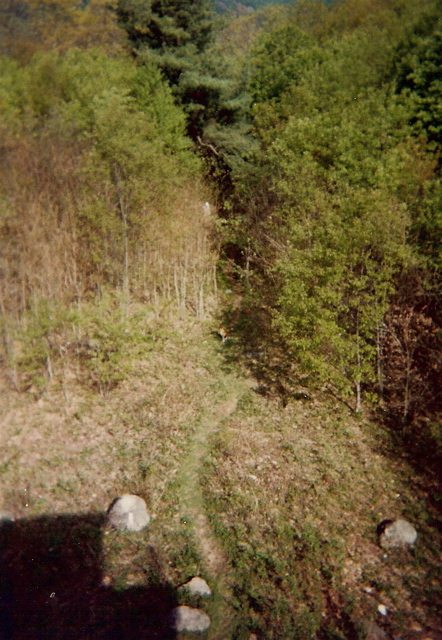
x=358 y=397
x=123 y=213
x=380 y=373
x=359 y=372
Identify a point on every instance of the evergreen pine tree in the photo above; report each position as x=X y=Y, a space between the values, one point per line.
x=177 y=35
x=173 y=33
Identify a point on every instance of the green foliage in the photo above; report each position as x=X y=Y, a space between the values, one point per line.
x=101 y=337
x=427 y=230
x=116 y=126
x=420 y=83
x=339 y=175
x=337 y=276
x=36 y=342
x=12 y=89
x=88 y=93
x=29 y=27
x=281 y=59
x=206 y=79
x=171 y=33
x=337 y=189
x=173 y=36
x=112 y=341
x=348 y=180
x=225 y=6
x=155 y=100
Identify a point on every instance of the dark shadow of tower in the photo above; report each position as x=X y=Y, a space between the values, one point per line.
x=51 y=586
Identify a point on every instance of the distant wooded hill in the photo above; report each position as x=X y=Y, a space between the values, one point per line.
x=240 y=8
x=225 y=6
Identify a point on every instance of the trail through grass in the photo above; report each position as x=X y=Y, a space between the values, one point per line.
x=275 y=507
x=193 y=511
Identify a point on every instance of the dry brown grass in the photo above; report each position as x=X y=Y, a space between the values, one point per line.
x=63 y=238
x=290 y=496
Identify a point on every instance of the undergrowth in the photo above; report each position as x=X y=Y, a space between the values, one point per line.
x=293 y=494
x=99 y=339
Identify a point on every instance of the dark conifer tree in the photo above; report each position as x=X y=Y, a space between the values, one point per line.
x=173 y=33
x=177 y=36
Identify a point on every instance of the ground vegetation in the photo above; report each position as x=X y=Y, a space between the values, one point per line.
x=340 y=208
x=220 y=289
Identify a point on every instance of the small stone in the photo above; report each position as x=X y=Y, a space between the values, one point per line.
x=189 y=619
x=382 y=609
x=129 y=513
x=398 y=533
x=198 y=586
x=373 y=632
x=6 y=516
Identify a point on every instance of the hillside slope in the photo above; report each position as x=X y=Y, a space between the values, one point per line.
x=275 y=507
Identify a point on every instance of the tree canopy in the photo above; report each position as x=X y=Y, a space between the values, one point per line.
x=347 y=113
x=318 y=126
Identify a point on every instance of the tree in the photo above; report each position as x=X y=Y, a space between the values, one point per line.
x=336 y=142
x=419 y=81
x=279 y=61
x=341 y=244
x=101 y=147
x=411 y=362
x=170 y=32
x=31 y=26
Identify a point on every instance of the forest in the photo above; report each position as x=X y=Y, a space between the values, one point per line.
x=315 y=129
x=270 y=168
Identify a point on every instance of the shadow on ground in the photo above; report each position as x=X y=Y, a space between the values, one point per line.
x=51 y=586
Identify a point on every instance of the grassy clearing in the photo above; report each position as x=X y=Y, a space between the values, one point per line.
x=295 y=494
x=276 y=507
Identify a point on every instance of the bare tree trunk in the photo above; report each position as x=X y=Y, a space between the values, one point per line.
x=408 y=350
x=49 y=368
x=358 y=397
x=407 y=389
x=176 y=285
x=201 y=301
x=184 y=282
x=215 y=283
x=123 y=212
x=359 y=370
x=379 y=356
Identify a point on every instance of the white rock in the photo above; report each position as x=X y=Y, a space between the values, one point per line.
x=6 y=516
x=382 y=609
x=188 y=619
x=198 y=587
x=207 y=209
x=398 y=534
x=373 y=632
x=129 y=513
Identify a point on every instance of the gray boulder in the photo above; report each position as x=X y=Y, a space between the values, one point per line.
x=198 y=586
x=6 y=516
x=397 y=533
x=372 y=631
x=189 y=619
x=129 y=513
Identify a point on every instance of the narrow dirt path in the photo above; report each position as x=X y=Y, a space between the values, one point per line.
x=192 y=508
